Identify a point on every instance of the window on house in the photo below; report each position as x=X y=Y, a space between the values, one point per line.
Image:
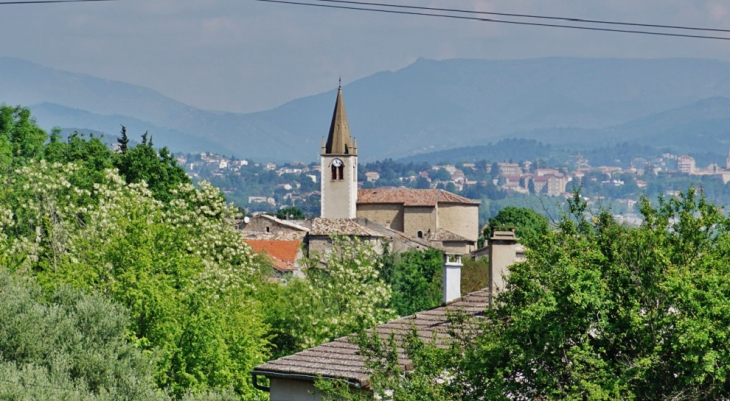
x=334 y=172
x=341 y=171
x=267 y=229
x=420 y=234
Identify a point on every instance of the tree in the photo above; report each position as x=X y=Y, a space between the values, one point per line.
x=416 y=281
x=159 y=170
x=527 y=222
x=343 y=293
x=439 y=175
x=123 y=141
x=290 y=213
x=20 y=138
x=181 y=268
x=601 y=311
x=68 y=345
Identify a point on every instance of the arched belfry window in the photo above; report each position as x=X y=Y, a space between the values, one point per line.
x=338 y=169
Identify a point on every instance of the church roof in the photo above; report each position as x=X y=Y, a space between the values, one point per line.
x=411 y=197
x=340 y=358
x=339 y=141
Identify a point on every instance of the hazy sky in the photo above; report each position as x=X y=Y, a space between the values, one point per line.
x=243 y=55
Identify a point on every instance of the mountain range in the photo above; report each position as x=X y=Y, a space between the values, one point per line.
x=430 y=105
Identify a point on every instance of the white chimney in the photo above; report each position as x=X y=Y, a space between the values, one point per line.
x=452 y=277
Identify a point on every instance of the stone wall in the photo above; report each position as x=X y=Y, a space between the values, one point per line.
x=460 y=219
x=419 y=218
x=389 y=215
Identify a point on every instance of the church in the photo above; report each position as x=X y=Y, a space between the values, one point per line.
x=407 y=219
x=434 y=217
x=404 y=218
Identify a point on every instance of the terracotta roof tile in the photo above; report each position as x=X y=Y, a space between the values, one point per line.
x=283 y=253
x=340 y=359
x=411 y=197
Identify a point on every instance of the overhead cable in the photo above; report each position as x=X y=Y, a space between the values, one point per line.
x=10 y=3
x=569 y=19
x=462 y=17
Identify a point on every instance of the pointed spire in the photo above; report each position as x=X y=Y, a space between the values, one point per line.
x=339 y=141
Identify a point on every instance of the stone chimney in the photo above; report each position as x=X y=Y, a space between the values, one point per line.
x=452 y=277
x=502 y=254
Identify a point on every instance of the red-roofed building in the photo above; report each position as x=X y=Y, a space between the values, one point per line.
x=283 y=253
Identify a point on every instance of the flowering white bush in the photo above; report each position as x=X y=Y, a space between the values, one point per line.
x=344 y=295
x=181 y=267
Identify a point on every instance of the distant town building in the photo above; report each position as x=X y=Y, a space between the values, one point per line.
x=509 y=169
x=372 y=176
x=686 y=164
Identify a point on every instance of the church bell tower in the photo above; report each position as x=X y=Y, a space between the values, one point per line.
x=338 y=161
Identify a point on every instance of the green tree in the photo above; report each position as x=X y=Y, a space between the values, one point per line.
x=68 y=345
x=290 y=213
x=159 y=170
x=527 y=222
x=180 y=267
x=439 y=174
x=343 y=293
x=20 y=138
x=416 y=281
x=91 y=155
x=598 y=311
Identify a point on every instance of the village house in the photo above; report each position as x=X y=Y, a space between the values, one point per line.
x=292 y=378
x=283 y=254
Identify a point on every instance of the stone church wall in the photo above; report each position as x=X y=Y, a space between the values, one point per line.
x=389 y=215
x=460 y=219
x=419 y=218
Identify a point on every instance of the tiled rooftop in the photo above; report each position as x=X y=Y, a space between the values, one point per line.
x=283 y=253
x=340 y=359
x=322 y=226
x=443 y=234
x=411 y=197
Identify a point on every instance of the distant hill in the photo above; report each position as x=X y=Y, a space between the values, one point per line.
x=504 y=150
x=49 y=115
x=703 y=126
x=426 y=106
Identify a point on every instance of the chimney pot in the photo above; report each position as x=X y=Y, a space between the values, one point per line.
x=452 y=277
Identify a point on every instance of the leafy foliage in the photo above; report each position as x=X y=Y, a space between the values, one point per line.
x=598 y=311
x=415 y=278
x=143 y=163
x=68 y=346
x=290 y=213
x=20 y=138
x=527 y=222
x=179 y=267
x=343 y=293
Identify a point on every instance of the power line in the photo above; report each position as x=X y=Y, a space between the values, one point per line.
x=9 y=3
x=569 y=19
x=461 y=17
